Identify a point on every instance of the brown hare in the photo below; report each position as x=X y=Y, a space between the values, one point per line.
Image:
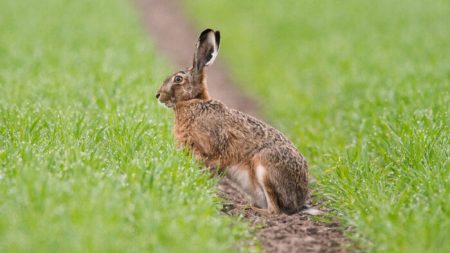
x=255 y=156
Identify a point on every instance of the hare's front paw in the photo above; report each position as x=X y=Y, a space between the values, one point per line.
x=212 y=167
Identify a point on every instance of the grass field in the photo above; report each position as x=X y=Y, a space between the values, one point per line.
x=362 y=88
x=87 y=160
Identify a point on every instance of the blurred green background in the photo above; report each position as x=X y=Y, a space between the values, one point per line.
x=87 y=160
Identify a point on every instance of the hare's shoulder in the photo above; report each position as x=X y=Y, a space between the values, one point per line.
x=212 y=105
x=232 y=118
x=218 y=110
x=209 y=108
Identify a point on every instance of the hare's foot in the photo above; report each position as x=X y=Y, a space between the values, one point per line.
x=243 y=206
x=262 y=211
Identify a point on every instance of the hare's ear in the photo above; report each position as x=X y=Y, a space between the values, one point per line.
x=207 y=49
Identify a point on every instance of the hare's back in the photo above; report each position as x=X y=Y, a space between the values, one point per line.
x=238 y=126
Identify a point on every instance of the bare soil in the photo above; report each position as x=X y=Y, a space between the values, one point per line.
x=286 y=233
x=175 y=37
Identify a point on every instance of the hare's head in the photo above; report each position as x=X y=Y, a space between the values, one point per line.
x=190 y=83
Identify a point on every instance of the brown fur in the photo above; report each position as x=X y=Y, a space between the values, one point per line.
x=260 y=159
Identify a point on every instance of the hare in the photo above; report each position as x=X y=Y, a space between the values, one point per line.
x=255 y=156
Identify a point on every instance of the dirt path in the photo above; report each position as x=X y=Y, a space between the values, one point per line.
x=286 y=233
x=174 y=35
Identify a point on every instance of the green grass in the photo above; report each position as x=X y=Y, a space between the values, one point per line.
x=87 y=160
x=362 y=88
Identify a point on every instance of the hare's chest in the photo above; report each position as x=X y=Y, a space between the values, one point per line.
x=181 y=134
x=194 y=138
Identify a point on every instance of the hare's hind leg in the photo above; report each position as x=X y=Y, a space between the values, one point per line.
x=282 y=173
x=268 y=189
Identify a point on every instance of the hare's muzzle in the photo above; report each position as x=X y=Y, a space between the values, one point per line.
x=157 y=95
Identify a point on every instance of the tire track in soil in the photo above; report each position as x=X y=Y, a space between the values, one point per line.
x=174 y=36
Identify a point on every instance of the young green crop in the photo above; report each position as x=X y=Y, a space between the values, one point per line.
x=362 y=88
x=87 y=161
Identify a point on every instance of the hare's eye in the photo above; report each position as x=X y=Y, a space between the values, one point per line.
x=178 y=79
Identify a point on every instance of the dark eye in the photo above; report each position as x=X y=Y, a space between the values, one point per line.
x=178 y=79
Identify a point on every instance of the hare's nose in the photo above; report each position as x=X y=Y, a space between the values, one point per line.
x=157 y=95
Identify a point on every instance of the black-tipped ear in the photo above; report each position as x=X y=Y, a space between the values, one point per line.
x=217 y=35
x=207 y=49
